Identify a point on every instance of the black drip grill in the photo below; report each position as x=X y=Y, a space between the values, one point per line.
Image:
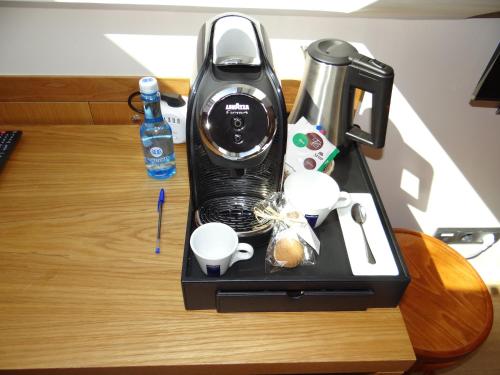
x=235 y=211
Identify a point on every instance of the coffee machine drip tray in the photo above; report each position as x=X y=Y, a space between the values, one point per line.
x=235 y=211
x=330 y=284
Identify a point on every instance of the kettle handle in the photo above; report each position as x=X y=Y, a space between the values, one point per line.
x=375 y=77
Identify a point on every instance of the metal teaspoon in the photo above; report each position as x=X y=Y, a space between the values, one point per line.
x=359 y=215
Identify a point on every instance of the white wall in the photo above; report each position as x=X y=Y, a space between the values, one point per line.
x=444 y=150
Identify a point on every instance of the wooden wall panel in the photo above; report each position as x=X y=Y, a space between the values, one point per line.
x=290 y=90
x=98 y=100
x=76 y=89
x=113 y=113
x=94 y=89
x=44 y=113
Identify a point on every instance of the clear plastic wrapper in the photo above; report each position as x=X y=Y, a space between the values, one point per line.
x=293 y=242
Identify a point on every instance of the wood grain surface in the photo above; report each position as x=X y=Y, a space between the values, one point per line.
x=79 y=88
x=81 y=290
x=44 y=113
x=447 y=307
x=84 y=99
x=113 y=113
x=97 y=88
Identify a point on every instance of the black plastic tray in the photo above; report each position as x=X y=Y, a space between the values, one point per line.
x=328 y=285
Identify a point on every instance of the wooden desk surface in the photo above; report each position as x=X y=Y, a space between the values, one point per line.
x=81 y=286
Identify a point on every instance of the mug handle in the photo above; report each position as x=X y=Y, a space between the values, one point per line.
x=344 y=200
x=243 y=251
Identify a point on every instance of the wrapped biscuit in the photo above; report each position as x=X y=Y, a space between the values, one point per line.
x=288 y=251
x=293 y=242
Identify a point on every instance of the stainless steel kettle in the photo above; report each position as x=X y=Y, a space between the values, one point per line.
x=333 y=70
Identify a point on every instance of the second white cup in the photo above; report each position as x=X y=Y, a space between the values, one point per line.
x=216 y=248
x=315 y=194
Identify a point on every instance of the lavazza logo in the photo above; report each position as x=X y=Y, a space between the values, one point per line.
x=237 y=107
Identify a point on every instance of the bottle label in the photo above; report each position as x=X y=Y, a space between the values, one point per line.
x=156 y=161
x=156 y=152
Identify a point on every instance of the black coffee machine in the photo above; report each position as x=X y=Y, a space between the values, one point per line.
x=236 y=125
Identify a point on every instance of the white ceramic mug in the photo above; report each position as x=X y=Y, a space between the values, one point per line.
x=316 y=194
x=216 y=248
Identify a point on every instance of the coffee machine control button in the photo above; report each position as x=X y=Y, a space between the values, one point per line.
x=238 y=139
x=237 y=122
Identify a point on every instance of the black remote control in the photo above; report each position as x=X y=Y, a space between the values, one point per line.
x=8 y=141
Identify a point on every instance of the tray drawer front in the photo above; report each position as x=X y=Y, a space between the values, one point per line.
x=299 y=300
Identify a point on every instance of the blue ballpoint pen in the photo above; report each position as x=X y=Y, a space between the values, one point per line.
x=161 y=200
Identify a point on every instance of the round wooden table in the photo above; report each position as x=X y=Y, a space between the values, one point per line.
x=447 y=307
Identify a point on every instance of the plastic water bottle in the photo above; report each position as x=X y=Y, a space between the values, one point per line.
x=156 y=134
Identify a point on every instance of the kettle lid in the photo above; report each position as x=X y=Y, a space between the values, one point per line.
x=331 y=51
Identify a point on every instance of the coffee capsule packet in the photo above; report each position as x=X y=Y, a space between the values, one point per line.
x=307 y=148
x=293 y=242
